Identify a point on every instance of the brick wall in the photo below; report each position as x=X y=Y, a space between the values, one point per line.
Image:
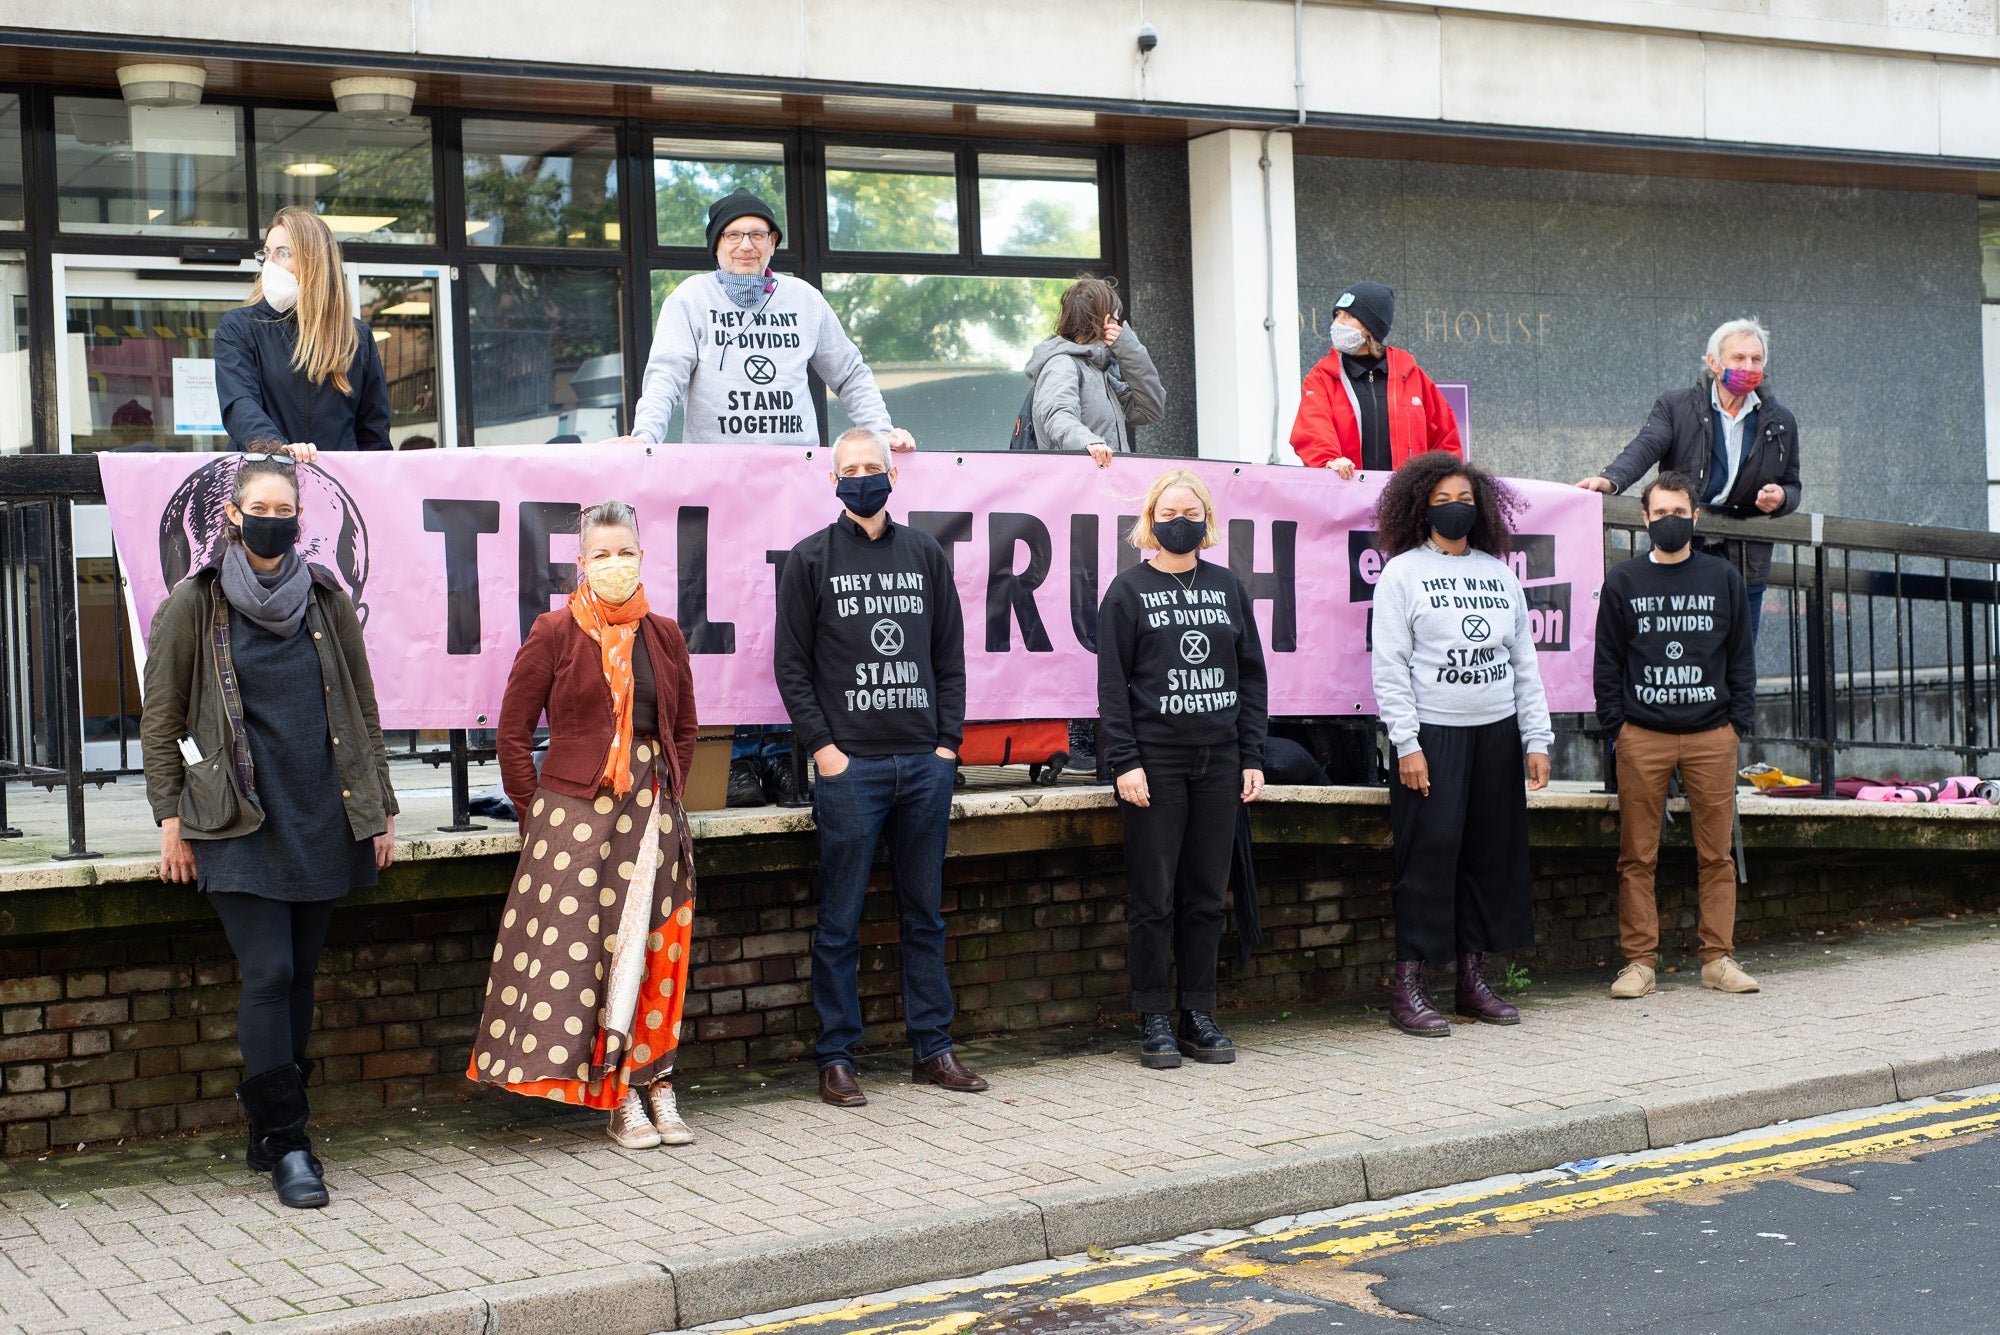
x=109 y=1036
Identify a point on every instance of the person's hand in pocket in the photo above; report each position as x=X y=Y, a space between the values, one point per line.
x=831 y=761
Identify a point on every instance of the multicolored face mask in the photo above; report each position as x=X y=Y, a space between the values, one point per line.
x=614 y=578
x=1737 y=380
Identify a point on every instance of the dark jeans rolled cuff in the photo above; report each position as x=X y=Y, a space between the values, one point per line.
x=920 y=1056
x=827 y=1063
x=1198 y=1001
x=1152 y=1003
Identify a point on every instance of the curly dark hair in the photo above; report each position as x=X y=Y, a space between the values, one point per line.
x=1402 y=514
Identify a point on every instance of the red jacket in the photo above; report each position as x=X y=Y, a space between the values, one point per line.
x=1419 y=418
x=558 y=671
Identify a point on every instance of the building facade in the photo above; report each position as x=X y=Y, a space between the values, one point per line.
x=1567 y=196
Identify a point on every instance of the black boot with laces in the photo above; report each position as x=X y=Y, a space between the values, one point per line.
x=1157 y=1049
x=1201 y=1040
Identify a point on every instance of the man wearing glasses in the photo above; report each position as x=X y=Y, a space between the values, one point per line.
x=733 y=347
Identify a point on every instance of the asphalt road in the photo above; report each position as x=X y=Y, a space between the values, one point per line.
x=1885 y=1220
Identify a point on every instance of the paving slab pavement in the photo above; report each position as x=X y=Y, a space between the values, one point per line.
x=499 y=1215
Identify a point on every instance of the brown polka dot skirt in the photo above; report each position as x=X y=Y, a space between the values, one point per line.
x=570 y=1016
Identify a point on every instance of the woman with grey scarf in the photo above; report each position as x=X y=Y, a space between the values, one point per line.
x=271 y=796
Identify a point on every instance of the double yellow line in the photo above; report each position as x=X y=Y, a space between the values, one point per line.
x=1789 y=1151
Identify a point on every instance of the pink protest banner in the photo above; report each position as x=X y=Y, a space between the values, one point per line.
x=450 y=555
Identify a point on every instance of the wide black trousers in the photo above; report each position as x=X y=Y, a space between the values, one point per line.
x=1462 y=880
x=1177 y=853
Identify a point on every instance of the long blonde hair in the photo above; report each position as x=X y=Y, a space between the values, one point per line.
x=327 y=337
x=1142 y=532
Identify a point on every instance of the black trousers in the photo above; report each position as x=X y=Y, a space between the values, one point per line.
x=277 y=946
x=1177 y=853
x=1462 y=882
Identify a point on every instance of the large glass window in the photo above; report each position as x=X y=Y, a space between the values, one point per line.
x=547 y=359
x=13 y=204
x=369 y=180
x=892 y=199
x=1038 y=206
x=691 y=174
x=16 y=423
x=535 y=184
x=947 y=350
x=149 y=171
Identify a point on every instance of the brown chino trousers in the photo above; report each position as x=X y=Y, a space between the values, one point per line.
x=1707 y=762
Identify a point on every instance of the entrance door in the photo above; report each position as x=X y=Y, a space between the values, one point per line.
x=136 y=369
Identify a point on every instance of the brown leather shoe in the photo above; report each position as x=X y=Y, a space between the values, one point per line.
x=838 y=1086
x=948 y=1071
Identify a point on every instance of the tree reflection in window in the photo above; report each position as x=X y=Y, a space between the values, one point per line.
x=532 y=184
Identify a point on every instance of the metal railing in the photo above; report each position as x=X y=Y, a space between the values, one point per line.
x=1879 y=641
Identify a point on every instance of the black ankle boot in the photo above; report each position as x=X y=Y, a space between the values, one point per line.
x=254 y=1156
x=1157 y=1049
x=275 y=1103
x=1201 y=1040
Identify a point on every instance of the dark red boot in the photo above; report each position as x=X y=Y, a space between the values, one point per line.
x=1409 y=1008
x=1476 y=1000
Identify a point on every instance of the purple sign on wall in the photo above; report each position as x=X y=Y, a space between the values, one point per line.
x=1459 y=395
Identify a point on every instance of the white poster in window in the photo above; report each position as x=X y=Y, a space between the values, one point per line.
x=197 y=409
x=207 y=132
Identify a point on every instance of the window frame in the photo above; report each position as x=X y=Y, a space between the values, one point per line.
x=806 y=252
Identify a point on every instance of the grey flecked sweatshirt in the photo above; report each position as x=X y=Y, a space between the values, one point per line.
x=742 y=373
x=1452 y=646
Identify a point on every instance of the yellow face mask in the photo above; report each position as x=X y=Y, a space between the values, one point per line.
x=614 y=578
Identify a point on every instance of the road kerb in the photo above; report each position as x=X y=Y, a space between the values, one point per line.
x=826 y=1267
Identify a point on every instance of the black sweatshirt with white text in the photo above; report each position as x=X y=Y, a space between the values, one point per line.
x=870 y=651
x=1178 y=666
x=1674 y=652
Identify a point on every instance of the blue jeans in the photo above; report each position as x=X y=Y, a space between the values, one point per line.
x=908 y=797
x=1755 y=592
x=761 y=741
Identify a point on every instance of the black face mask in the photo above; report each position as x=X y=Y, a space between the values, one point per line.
x=1180 y=536
x=268 y=536
x=864 y=494
x=1454 y=519
x=1670 y=533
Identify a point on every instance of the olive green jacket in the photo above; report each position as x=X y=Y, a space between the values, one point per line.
x=189 y=686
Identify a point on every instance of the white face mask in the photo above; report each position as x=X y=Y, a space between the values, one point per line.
x=1346 y=338
x=280 y=288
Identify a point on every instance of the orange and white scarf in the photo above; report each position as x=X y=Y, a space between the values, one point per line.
x=614 y=626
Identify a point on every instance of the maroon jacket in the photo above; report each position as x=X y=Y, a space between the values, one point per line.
x=560 y=672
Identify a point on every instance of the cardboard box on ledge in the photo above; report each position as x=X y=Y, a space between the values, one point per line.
x=708 y=783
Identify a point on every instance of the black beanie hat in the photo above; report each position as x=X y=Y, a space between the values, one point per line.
x=738 y=204
x=1371 y=303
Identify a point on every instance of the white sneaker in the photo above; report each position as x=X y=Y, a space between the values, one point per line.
x=1634 y=980
x=666 y=1114
x=1726 y=975
x=629 y=1125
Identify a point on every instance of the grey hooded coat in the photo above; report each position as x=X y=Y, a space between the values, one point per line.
x=1118 y=387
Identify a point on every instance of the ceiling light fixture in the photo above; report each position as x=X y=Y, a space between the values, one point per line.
x=374 y=97
x=159 y=84
x=310 y=169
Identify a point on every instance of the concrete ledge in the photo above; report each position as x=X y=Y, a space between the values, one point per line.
x=439 y=1314
x=719 y=1285
x=625 y=1300
x=1724 y=1109
x=1945 y=1071
x=1226 y=1196
x=1526 y=1144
